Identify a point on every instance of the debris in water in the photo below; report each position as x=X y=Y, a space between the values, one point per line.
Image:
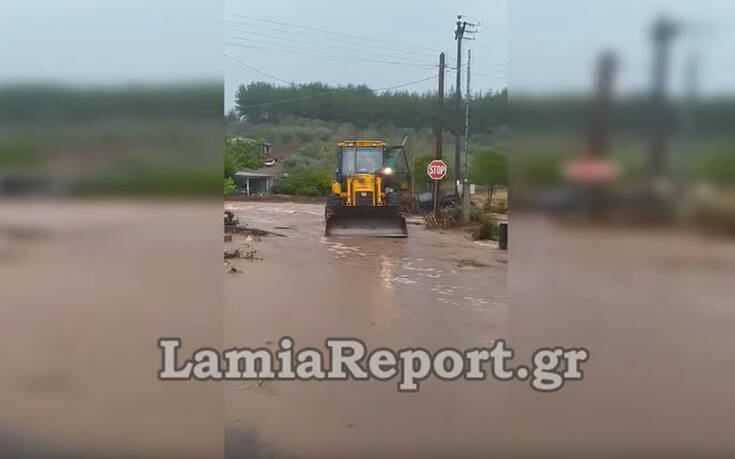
x=233 y=225
x=230 y=219
x=250 y=255
x=470 y=262
x=251 y=231
x=231 y=269
x=232 y=254
x=246 y=255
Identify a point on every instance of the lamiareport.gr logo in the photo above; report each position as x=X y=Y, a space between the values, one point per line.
x=349 y=359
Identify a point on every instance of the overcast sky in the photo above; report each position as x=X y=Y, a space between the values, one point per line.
x=110 y=41
x=529 y=45
x=381 y=43
x=554 y=43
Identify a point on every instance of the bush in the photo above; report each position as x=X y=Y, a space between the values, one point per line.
x=488 y=229
x=307 y=183
x=717 y=168
x=229 y=186
x=488 y=167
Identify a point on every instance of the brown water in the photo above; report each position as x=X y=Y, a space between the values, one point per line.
x=654 y=306
x=86 y=290
x=387 y=292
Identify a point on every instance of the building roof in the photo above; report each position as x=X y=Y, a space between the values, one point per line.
x=361 y=143
x=251 y=174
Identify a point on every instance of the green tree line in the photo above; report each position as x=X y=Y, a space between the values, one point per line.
x=263 y=103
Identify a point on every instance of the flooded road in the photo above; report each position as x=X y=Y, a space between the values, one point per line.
x=431 y=290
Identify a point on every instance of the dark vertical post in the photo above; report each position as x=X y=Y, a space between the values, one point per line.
x=662 y=33
x=439 y=125
x=600 y=118
x=458 y=35
x=466 y=179
x=503 y=235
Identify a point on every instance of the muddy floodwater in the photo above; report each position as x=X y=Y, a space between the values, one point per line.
x=431 y=289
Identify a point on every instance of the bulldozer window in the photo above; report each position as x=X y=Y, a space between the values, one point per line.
x=361 y=160
x=399 y=163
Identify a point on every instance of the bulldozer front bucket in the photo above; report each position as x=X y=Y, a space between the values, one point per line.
x=366 y=221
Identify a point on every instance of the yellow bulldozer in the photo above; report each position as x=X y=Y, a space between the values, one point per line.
x=367 y=190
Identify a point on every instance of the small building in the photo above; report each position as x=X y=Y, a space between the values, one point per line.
x=265 y=148
x=253 y=183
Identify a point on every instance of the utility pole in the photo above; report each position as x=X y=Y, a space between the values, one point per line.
x=439 y=125
x=691 y=91
x=466 y=181
x=601 y=116
x=459 y=33
x=662 y=33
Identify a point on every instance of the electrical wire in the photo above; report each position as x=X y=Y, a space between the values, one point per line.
x=334 y=33
x=332 y=39
x=321 y=45
x=351 y=59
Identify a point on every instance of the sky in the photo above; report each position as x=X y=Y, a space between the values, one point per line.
x=110 y=42
x=381 y=43
x=554 y=44
x=527 y=45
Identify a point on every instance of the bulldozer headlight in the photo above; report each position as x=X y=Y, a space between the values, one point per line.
x=387 y=170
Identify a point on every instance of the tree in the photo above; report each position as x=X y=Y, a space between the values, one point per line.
x=489 y=167
x=242 y=154
x=229 y=186
x=261 y=102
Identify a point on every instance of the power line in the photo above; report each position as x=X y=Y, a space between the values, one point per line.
x=349 y=58
x=332 y=39
x=259 y=71
x=492 y=62
x=302 y=42
x=335 y=33
x=302 y=54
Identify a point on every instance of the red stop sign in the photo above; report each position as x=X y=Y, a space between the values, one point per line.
x=437 y=169
x=591 y=170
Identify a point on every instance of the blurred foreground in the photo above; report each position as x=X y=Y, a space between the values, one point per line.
x=89 y=288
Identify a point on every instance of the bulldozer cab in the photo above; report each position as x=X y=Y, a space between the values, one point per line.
x=398 y=162
x=375 y=158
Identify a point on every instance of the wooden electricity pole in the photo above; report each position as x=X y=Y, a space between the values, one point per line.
x=662 y=33
x=439 y=125
x=466 y=179
x=459 y=35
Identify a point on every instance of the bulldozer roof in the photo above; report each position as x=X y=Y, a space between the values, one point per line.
x=362 y=143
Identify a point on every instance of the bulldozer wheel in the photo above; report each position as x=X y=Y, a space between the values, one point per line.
x=394 y=199
x=333 y=199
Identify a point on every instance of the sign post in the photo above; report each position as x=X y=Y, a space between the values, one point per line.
x=436 y=170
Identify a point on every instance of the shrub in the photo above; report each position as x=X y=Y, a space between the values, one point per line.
x=717 y=168
x=488 y=229
x=229 y=186
x=306 y=183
